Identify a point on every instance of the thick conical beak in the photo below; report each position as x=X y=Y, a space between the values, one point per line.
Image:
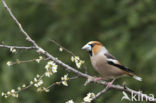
x=87 y=47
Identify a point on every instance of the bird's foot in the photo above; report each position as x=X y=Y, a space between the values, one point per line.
x=109 y=84
x=97 y=79
x=94 y=79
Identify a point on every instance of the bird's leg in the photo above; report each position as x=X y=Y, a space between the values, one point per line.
x=109 y=84
x=97 y=79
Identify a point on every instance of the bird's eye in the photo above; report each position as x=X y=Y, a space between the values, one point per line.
x=92 y=45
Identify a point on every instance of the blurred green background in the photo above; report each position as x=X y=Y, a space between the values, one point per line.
x=126 y=27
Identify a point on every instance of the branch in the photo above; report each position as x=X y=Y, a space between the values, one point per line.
x=68 y=51
x=27 y=61
x=17 y=47
x=57 y=83
x=100 y=93
x=67 y=67
x=18 y=24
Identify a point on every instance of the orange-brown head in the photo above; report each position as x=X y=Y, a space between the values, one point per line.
x=94 y=47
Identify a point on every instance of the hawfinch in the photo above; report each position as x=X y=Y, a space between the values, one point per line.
x=106 y=64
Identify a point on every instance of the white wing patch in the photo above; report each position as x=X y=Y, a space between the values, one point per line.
x=113 y=60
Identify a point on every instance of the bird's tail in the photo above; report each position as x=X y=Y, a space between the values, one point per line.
x=135 y=76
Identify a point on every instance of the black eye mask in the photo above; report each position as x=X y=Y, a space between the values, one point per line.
x=90 y=53
x=92 y=45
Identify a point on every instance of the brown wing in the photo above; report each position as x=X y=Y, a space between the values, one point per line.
x=111 y=60
x=120 y=66
x=109 y=56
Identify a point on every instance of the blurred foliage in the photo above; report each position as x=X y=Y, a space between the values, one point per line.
x=126 y=27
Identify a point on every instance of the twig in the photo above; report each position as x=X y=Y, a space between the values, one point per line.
x=68 y=51
x=19 y=25
x=100 y=93
x=67 y=67
x=17 y=47
x=56 y=83
x=27 y=61
x=30 y=84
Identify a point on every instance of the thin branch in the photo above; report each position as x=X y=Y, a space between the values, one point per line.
x=100 y=93
x=67 y=67
x=31 y=84
x=28 y=61
x=68 y=51
x=18 y=23
x=57 y=83
x=17 y=47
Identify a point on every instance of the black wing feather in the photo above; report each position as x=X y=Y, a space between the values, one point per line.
x=120 y=66
x=109 y=56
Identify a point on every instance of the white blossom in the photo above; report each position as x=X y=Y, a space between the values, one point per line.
x=37 y=75
x=48 y=73
x=72 y=59
x=54 y=68
x=19 y=88
x=6 y=96
x=64 y=79
x=65 y=83
x=23 y=85
x=77 y=58
x=36 y=85
x=9 y=63
x=77 y=61
x=12 y=91
x=2 y=93
x=8 y=93
x=78 y=64
x=13 y=50
x=45 y=89
x=89 y=97
x=39 y=59
x=31 y=82
x=70 y=101
x=35 y=79
x=60 y=49
x=39 y=83
x=51 y=68
x=41 y=89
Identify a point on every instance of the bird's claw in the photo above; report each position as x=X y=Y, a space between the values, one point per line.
x=94 y=79
x=97 y=79
x=109 y=84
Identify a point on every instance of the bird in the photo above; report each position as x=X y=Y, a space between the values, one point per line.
x=106 y=64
